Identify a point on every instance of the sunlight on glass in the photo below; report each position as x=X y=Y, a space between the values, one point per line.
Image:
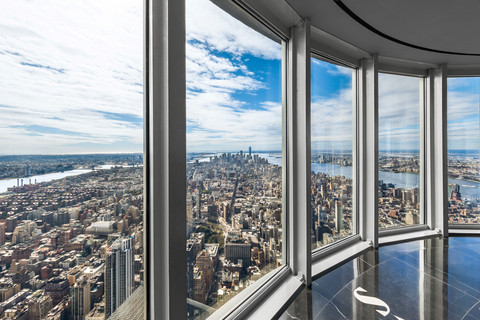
x=332 y=142
x=399 y=190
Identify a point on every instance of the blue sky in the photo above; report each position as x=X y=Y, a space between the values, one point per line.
x=333 y=116
x=233 y=83
x=73 y=86
x=332 y=107
x=76 y=86
x=234 y=92
x=399 y=112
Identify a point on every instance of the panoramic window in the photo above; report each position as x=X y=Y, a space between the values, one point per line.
x=463 y=119
x=71 y=158
x=234 y=157
x=333 y=114
x=400 y=111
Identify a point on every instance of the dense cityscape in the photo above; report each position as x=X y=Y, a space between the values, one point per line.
x=332 y=201
x=234 y=225
x=71 y=248
x=332 y=189
x=234 y=214
x=463 y=188
x=399 y=206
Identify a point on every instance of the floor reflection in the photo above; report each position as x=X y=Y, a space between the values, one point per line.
x=426 y=279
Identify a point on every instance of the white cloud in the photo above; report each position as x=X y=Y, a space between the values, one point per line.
x=64 y=63
x=399 y=114
x=332 y=122
x=209 y=24
x=221 y=116
x=463 y=113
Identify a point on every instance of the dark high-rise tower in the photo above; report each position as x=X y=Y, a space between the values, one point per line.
x=118 y=274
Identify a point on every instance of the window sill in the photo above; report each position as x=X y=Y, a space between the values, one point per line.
x=333 y=260
x=275 y=303
x=459 y=231
x=332 y=248
x=408 y=236
x=403 y=229
x=272 y=305
x=258 y=295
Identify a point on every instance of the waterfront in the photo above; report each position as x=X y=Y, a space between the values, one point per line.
x=8 y=183
x=468 y=189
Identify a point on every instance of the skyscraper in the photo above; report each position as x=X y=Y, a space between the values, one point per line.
x=189 y=212
x=118 y=274
x=38 y=306
x=80 y=299
x=338 y=216
x=3 y=229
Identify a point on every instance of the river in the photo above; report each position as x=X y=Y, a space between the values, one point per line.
x=468 y=189
x=7 y=183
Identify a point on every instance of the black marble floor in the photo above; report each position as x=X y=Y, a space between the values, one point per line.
x=425 y=279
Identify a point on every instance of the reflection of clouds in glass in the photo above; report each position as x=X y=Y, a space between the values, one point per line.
x=331 y=107
x=332 y=122
x=399 y=112
x=463 y=113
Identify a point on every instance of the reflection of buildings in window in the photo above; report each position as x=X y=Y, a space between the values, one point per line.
x=399 y=156
x=332 y=142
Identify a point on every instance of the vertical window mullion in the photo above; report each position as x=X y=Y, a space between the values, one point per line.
x=166 y=156
x=298 y=115
x=368 y=149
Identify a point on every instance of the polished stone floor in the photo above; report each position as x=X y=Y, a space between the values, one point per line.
x=425 y=279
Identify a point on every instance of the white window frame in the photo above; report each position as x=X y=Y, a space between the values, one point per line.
x=166 y=147
x=332 y=248
x=412 y=72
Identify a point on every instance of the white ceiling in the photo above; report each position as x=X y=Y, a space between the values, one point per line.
x=438 y=25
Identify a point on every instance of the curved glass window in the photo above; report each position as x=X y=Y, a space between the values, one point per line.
x=234 y=156
x=333 y=111
x=463 y=119
x=400 y=109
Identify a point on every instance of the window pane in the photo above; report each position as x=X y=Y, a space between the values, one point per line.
x=399 y=151
x=332 y=141
x=71 y=124
x=463 y=150
x=234 y=156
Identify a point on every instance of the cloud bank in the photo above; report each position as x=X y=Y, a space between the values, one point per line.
x=72 y=78
x=233 y=97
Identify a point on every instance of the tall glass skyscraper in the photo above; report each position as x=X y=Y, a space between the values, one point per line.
x=118 y=274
